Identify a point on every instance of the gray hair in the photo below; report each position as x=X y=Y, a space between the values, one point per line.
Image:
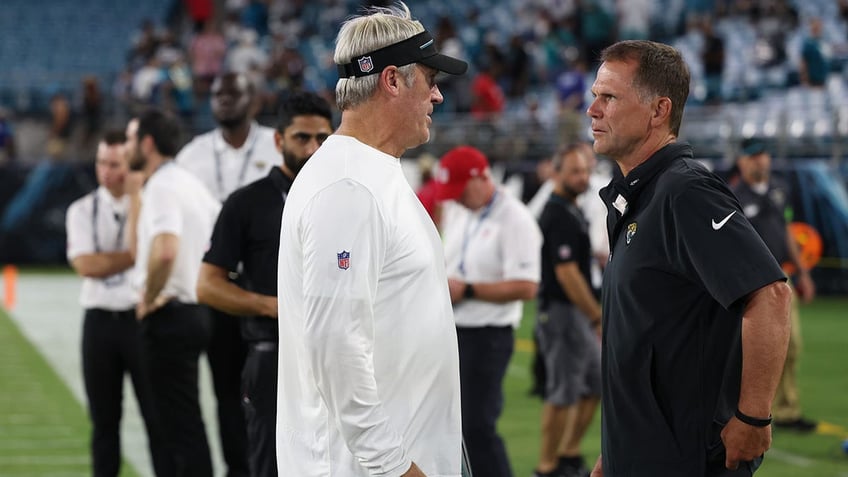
x=377 y=28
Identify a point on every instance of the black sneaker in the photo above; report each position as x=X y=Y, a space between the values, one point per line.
x=800 y=425
x=573 y=467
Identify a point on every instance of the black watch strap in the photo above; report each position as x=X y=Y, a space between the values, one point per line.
x=469 y=291
x=752 y=421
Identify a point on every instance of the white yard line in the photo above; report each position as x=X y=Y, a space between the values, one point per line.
x=49 y=315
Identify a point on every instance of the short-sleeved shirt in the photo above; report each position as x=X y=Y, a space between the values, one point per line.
x=498 y=242
x=175 y=202
x=223 y=168
x=683 y=259
x=566 y=239
x=95 y=223
x=767 y=213
x=248 y=231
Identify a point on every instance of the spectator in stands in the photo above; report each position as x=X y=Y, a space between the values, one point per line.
x=8 y=153
x=487 y=98
x=146 y=81
x=61 y=126
x=91 y=109
x=207 y=51
x=634 y=18
x=248 y=58
x=254 y=16
x=815 y=63
x=596 y=29
x=199 y=12
x=712 y=56
x=571 y=93
x=518 y=66
x=144 y=44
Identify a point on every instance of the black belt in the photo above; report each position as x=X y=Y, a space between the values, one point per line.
x=114 y=314
x=263 y=345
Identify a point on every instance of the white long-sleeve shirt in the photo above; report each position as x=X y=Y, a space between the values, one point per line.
x=368 y=357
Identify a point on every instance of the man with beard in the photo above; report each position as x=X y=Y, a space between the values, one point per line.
x=568 y=322
x=248 y=232
x=169 y=233
x=236 y=153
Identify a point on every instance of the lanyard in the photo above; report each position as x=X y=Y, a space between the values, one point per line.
x=219 y=177
x=121 y=219
x=466 y=238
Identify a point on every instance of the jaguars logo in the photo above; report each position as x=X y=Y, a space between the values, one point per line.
x=631 y=232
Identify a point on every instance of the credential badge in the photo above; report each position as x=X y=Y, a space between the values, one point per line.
x=365 y=64
x=344 y=260
x=631 y=231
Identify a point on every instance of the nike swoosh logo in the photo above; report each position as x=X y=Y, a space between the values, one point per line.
x=719 y=225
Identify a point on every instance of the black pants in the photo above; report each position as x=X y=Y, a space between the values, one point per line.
x=173 y=337
x=111 y=347
x=226 y=353
x=259 y=386
x=484 y=354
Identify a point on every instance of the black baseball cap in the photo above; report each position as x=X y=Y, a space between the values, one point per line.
x=420 y=48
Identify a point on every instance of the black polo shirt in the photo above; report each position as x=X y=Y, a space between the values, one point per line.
x=566 y=239
x=683 y=259
x=767 y=213
x=248 y=231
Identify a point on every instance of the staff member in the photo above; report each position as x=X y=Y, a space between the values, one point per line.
x=111 y=341
x=764 y=202
x=569 y=320
x=173 y=226
x=236 y=153
x=492 y=251
x=248 y=232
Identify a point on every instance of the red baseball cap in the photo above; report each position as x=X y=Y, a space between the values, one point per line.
x=456 y=168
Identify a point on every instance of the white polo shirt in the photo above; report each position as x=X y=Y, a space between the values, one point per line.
x=223 y=168
x=499 y=242
x=176 y=202
x=96 y=223
x=368 y=356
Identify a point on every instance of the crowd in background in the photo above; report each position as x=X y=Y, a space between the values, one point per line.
x=531 y=61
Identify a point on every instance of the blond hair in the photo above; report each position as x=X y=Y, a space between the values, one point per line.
x=377 y=28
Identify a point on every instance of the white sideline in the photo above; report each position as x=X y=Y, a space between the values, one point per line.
x=49 y=315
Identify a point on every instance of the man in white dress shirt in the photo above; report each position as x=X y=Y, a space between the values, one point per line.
x=368 y=361
x=236 y=153
x=111 y=340
x=493 y=253
x=173 y=228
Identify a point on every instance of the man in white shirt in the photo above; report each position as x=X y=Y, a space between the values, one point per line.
x=368 y=363
x=492 y=249
x=173 y=227
x=111 y=340
x=236 y=153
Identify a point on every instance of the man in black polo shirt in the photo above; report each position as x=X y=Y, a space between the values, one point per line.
x=764 y=201
x=248 y=232
x=569 y=321
x=695 y=308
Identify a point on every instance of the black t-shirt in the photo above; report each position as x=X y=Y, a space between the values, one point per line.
x=683 y=259
x=766 y=212
x=566 y=239
x=248 y=231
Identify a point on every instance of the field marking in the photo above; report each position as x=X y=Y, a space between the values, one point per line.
x=790 y=458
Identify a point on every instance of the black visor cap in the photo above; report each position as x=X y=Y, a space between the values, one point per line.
x=420 y=48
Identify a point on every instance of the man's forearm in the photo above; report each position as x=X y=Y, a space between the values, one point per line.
x=765 y=337
x=102 y=265
x=158 y=271
x=224 y=295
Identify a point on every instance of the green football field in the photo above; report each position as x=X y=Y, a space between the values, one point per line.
x=44 y=429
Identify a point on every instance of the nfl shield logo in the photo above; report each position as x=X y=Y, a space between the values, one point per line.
x=365 y=64
x=344 y=260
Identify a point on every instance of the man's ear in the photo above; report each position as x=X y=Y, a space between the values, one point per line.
x=390 y=79
x=662 y=111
